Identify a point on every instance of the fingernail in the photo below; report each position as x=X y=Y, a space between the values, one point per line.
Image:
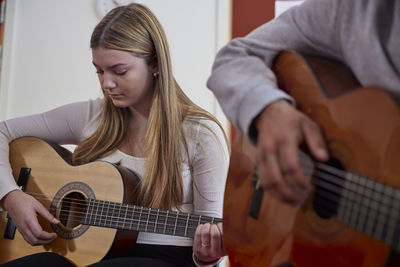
x=322 y=153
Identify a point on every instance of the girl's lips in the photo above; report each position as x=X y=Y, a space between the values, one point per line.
x=116 y=96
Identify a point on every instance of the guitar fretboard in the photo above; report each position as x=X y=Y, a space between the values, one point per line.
x=143 y=219
x=361 y=203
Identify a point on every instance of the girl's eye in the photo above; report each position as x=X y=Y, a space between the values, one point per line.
x=120 y=73
x=99 y=72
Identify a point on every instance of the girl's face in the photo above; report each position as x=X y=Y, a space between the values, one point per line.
x=125 y=78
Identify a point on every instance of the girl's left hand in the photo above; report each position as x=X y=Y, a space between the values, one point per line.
x=208 y=245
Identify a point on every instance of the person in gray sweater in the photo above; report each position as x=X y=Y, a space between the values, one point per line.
x=364 y=34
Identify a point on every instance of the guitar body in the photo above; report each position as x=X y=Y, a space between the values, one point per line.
x=362 y=129
x=52 y=179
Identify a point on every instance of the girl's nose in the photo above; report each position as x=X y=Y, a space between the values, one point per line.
x=107 y=82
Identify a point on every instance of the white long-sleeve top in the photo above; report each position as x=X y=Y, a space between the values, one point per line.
x=72 y=123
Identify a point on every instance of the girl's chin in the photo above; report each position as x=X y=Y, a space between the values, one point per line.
x=119 y=103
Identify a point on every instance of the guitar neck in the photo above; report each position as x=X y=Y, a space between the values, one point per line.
x=359 y=202
x=143 y=219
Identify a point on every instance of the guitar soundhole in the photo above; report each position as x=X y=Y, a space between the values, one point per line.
x=73 y=209
x=69 y=205
x=328 y=188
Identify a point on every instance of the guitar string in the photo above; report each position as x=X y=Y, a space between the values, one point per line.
x=145 y=214
x=135 y=223
x=358 y=205
x=74 y=217
x=178 y=229
x=329 y=170
x=131 y=208
x=83 y=202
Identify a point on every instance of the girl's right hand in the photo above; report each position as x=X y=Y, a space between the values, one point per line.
x=24 y=210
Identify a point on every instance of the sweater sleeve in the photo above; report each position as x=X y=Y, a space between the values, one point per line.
x=210 y=169
x=68 y=124
x=242 y=79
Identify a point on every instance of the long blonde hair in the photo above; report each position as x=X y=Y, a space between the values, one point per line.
x=135 y=29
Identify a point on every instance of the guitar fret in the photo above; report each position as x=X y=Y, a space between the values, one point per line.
x=155 y=224
x=361 y=211
x=374 y=206
x=88 y=214
x=187 y=223
x=102 y=218
x=192 y=225
x=96 y=212
x=124 y=209
x=180 y=224
x=176 y=221
x=379 y=226
x=368 y=226
x=139 y=220
x=353 y=204
x=115 y=217
x=107 y=215
x=126 y=216
x=171 y=223
x=396 y=207
x=195 y=224
x=393 y=216
x=148 y=217
x=104 y=215
x=364 y=200
x=390 y=210
x=118 y=221
x=385 y=215
x=356 y=203
x=343 y=213
x=152 y=220
x=131 y=216
x=396 y=221
x=166 y=220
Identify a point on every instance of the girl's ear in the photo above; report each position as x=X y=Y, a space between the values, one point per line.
x=154 y=69
x=153 y=65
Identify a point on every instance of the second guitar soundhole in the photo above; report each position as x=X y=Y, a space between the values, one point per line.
x=328 y=188
x=69 y=206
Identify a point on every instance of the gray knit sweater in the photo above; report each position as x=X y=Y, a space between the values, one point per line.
x=365 y=34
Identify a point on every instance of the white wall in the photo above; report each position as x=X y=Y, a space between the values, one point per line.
x=47 y=60
x=283 y=5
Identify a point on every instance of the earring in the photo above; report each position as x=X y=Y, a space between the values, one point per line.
x=155 y=74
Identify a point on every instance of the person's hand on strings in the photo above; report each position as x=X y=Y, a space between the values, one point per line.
x=24 y=210
x=281 y=131
x=208 y=244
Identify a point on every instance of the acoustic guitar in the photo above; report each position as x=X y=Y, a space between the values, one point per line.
x=94 y=202
x=352 y=216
